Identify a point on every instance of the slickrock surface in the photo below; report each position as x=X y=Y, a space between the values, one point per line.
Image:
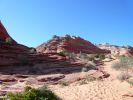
x=69 y=43
x=117 y=50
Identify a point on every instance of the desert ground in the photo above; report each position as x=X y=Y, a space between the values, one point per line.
x=107 y=89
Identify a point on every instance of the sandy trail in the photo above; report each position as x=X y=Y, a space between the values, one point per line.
x=108 y=89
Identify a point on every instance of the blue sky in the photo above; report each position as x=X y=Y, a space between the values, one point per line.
x=32 y=22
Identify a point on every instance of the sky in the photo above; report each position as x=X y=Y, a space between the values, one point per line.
x=32 y=22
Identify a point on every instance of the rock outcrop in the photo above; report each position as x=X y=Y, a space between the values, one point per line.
x=4 y=34
x=10 y=52
x=19 y=59
x=69 y=43
x=117 y=50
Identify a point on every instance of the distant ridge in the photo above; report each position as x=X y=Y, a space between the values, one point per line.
x=117 y=50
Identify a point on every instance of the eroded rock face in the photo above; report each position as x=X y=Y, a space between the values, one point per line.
x=10 y=52
x=69 y=43
x=4 y=35
x=117 y=50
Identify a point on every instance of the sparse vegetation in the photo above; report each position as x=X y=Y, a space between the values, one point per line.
x=8 y=41
x=88 y=66
x=82 y=82
x=123 y=77
x=117 y=66
x=130 y=81
x=82 y=56
x=72 y=55
x=125 y=65
x=88 y=79
x=63 y=83
x=42 y=93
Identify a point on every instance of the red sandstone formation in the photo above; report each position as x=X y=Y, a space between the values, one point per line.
x=69 y=43
x=12 y=56
x=4 y=35
x=9 y=53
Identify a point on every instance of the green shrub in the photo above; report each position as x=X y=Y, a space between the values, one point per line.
x=29 y=93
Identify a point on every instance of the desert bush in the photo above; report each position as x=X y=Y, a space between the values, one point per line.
x=8 y=41
x=63 y=53
x=30 y=93
x=91 y=57
x=117 y=66
x=130 y=81
x=101 y=56
x=88 y=66
x=70 y=55
x=123 y=77
x=108 y=56
x=87 y=79
x=82 y=82
x=63 y=83
x=125 y=64
x=90 y=78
